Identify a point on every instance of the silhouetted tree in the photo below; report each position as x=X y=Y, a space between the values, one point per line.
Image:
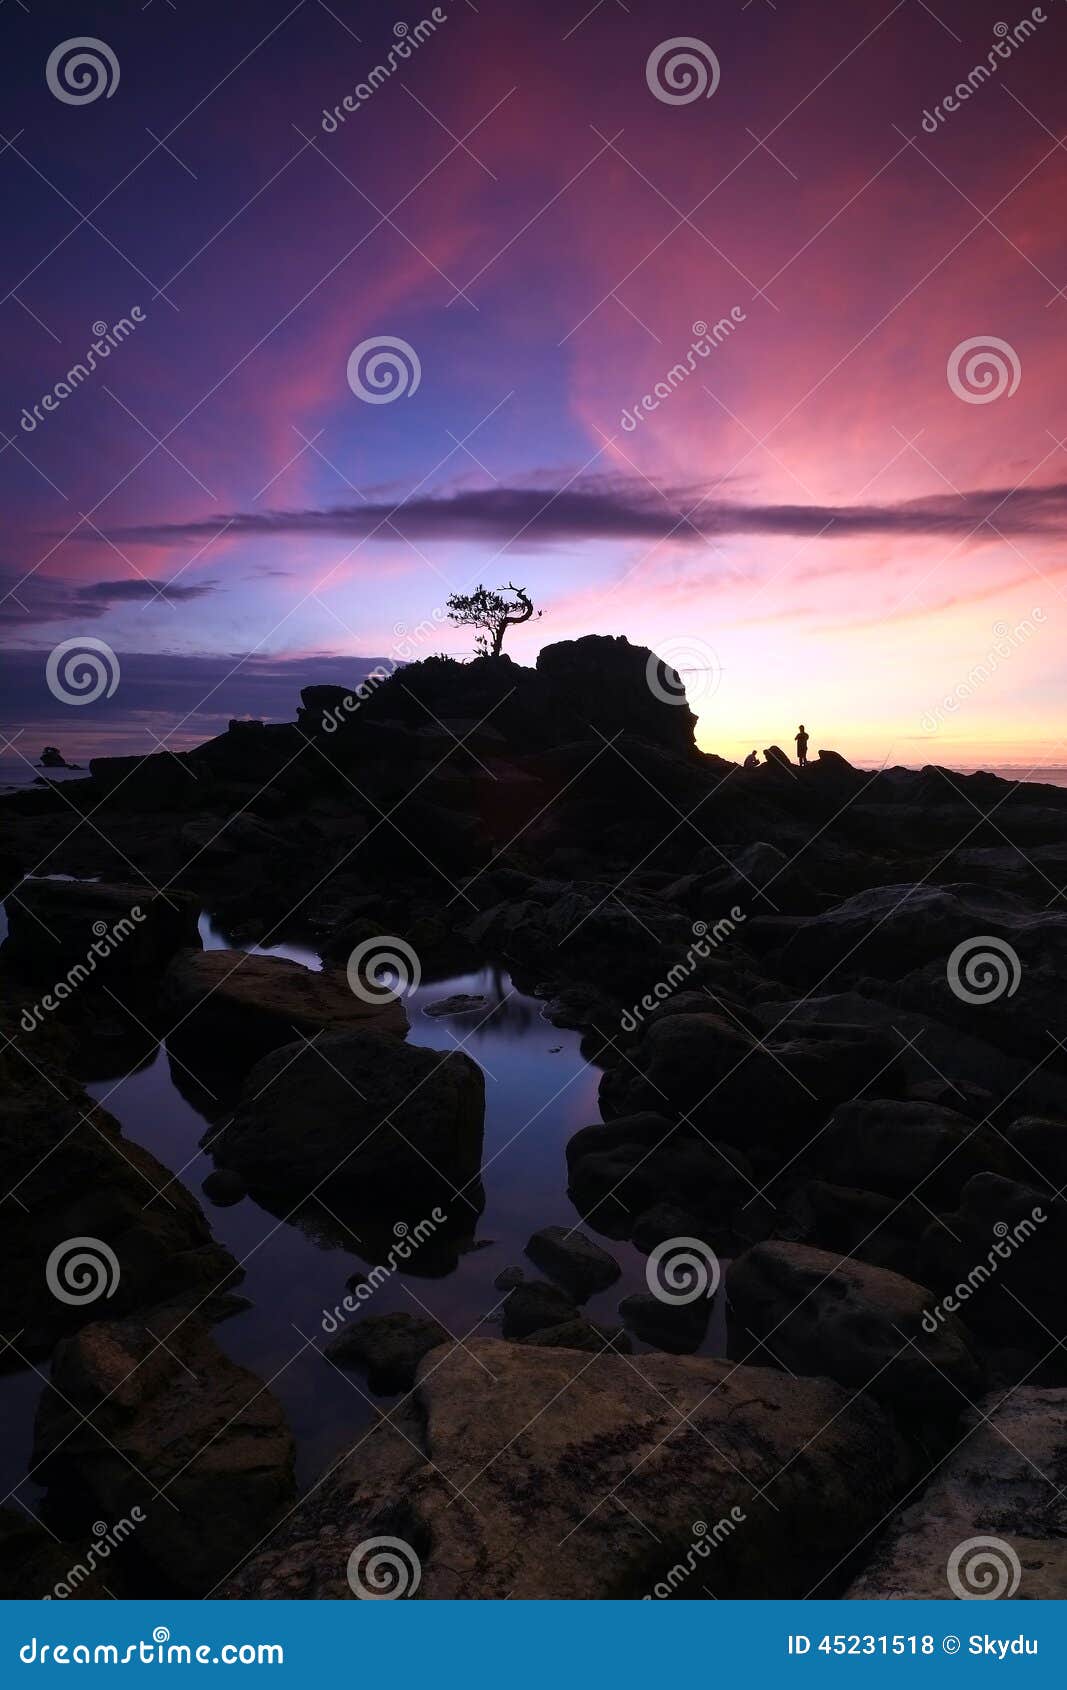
x=488 y=608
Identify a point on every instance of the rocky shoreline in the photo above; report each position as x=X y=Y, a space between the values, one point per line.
x=826 y=1004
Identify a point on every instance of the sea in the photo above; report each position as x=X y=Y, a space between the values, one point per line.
x=15 y=775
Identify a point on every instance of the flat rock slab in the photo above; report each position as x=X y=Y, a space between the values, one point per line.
x=521 y=1460
x=1003 y=1481
x=239 y=1006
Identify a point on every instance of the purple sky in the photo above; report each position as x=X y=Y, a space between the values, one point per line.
x=812 y=519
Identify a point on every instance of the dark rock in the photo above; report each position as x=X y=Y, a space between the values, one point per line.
x=574 y=1260
x=461 y=1003
x=663 y=1221
x=994 y=1485
x=73 y=1177
x=224 y=1187
x=997 y=1262
x=897 y=1148
x=75 y=935
x=1041 y=1145
x=620 y=1169
x=580 y=1335
x=541 y=1437
x=35 y=1565
x=389 y=1346
x=173 y=1421
x=361 y=1115
x=535 y=1304
x=508 y=1278
x=236 y=1007
x=861 y=1325
x=677 y=1327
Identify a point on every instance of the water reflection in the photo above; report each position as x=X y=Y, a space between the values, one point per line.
x=540 y=1089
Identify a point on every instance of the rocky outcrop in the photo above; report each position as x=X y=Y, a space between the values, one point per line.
x=362 y=1116
x=542 y=1473
x=154 y=1416
x=814 y=1313
x=993 y=1521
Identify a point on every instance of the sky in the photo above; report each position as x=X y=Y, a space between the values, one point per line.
x=749 y=349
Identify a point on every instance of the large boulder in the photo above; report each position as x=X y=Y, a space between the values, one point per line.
x=364 y=1117
x=606 y=684
x=992 y=1522
x=155 y=1416
x=543 y=1473
x=816 y=1313
x=232 y=1007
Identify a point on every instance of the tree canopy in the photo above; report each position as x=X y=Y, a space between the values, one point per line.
x=489 y=609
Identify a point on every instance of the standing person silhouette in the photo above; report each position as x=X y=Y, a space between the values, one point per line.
x=802 y=746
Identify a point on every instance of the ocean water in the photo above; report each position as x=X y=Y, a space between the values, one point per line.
x=16 y=774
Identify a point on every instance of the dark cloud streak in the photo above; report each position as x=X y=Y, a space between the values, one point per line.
x=622 y=510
